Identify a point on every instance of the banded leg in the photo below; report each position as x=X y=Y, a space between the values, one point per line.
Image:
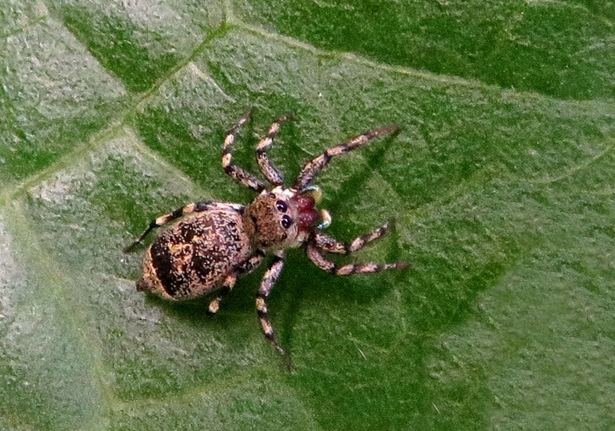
x=180 y=212
x=314 y=166
x=238 y=174
x=226 y=287
x=315 y=255
x=273 y=175
x=332 y=245
x=269 y=279
x=229 y=282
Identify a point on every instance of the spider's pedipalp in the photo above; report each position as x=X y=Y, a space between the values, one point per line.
x=235 y=172
x=317 y=164
x=273 y=174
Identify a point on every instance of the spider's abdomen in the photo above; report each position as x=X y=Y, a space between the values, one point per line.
x=194 y=255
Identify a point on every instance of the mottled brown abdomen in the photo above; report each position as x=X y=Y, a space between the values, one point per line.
x=194 y=256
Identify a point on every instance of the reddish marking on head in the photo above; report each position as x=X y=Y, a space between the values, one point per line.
x=308 y=215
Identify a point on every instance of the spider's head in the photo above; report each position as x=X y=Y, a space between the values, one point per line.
x=282 y=218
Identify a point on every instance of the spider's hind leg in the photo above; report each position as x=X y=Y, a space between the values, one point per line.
x=188 y=209
x=169 y=217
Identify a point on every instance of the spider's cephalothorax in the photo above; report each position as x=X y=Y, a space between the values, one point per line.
x=280 y=219
x=214 y=243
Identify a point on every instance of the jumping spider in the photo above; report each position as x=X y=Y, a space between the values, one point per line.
x=217 y=242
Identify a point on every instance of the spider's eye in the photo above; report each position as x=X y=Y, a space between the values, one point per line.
x=287 y=222
x=281 y=206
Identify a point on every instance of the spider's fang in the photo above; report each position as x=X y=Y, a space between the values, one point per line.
x=308 y=215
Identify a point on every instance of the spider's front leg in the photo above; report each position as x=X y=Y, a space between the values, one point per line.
x=235 y=172
x=317 y=164
x=269 y=279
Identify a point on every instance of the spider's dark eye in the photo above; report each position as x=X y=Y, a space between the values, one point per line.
x=281 y=206
x=287 y=222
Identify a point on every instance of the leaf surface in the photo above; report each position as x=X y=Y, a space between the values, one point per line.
x=500 y=184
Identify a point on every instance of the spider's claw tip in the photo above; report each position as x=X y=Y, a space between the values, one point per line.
x=390 y=223
x=290 y=115
x=395 y=128
x=287 y=362
x=213 y=307
x=387 y=130
x=130 y=248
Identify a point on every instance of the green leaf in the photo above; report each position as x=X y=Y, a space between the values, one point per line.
x=500 y=183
